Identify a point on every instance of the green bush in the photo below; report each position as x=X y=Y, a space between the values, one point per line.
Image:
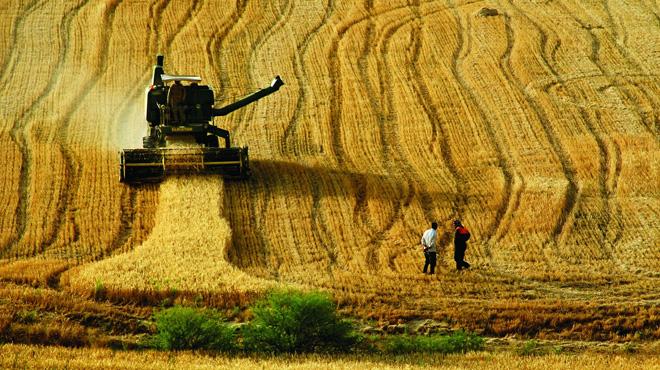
x=188 y=328
x=458 y=342
x=295 y=322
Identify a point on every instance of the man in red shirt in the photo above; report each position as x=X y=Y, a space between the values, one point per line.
x=461 y=236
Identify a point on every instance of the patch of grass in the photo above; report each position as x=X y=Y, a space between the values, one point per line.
x=27 y=316
x=630 y=348
x=99 y=289
x=457 y=342
x=530 y=348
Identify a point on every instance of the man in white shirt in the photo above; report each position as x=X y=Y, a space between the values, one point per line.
x=428 y=244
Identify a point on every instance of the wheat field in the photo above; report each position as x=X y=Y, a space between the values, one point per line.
x=35 y=357
x=538 y=127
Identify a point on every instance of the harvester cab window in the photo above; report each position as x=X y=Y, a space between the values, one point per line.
x=176 y=100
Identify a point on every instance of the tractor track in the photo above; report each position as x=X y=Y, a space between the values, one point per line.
x=20 y=137
x=257 y=214
x=130 y=195
x=156 y=10
x=320 y=228
x=284 y=13
x=219 y=35
x=222 y=73
x=65 y=32
x=8 y=68
x=283 y=17
x=360 y=211
x=508 y=170
x=299 y=70
x=573 y=193
x=191 y=14
x=336 y=99
x=268 y=259
x=430 y=110
x=244 y=253
x=603 y=142
x=387 y=120
x=336 y=107
x=609 y=178
x=128 y=212
x=440 y=136
x=216 y=44
x=648 y=122
x=238 y=246
x=391 y=259
x=572 y=190
x=361 y=214
x=258 y=219
x=320 y=231
x=517 y=181
x=129 y=199
x=391 y=138
x=376 y=105
x=73 y=165
x=237 y=250
x=9 y=62
x=335 y=118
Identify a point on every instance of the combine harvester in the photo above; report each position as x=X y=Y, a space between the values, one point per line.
x=181 y=137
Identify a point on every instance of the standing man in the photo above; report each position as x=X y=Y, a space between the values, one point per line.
x=175 y=97
x=461 y=236
x=428 y=244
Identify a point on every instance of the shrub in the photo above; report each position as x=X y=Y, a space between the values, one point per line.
x=295 y=322
x=458 y=342
x=188 y=328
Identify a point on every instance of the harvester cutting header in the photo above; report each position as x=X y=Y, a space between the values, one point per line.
x=181 y=136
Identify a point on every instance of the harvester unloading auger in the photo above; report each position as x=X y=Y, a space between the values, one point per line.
x=181 y=137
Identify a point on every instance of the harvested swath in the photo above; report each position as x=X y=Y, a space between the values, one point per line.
x=186 y=251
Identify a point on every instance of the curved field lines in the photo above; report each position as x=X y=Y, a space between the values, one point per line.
x=537 y=126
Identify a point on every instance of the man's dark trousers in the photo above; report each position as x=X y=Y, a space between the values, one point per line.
x=429 y=258
x=459 y=255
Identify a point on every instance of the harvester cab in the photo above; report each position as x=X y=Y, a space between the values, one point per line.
x=181 y=136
